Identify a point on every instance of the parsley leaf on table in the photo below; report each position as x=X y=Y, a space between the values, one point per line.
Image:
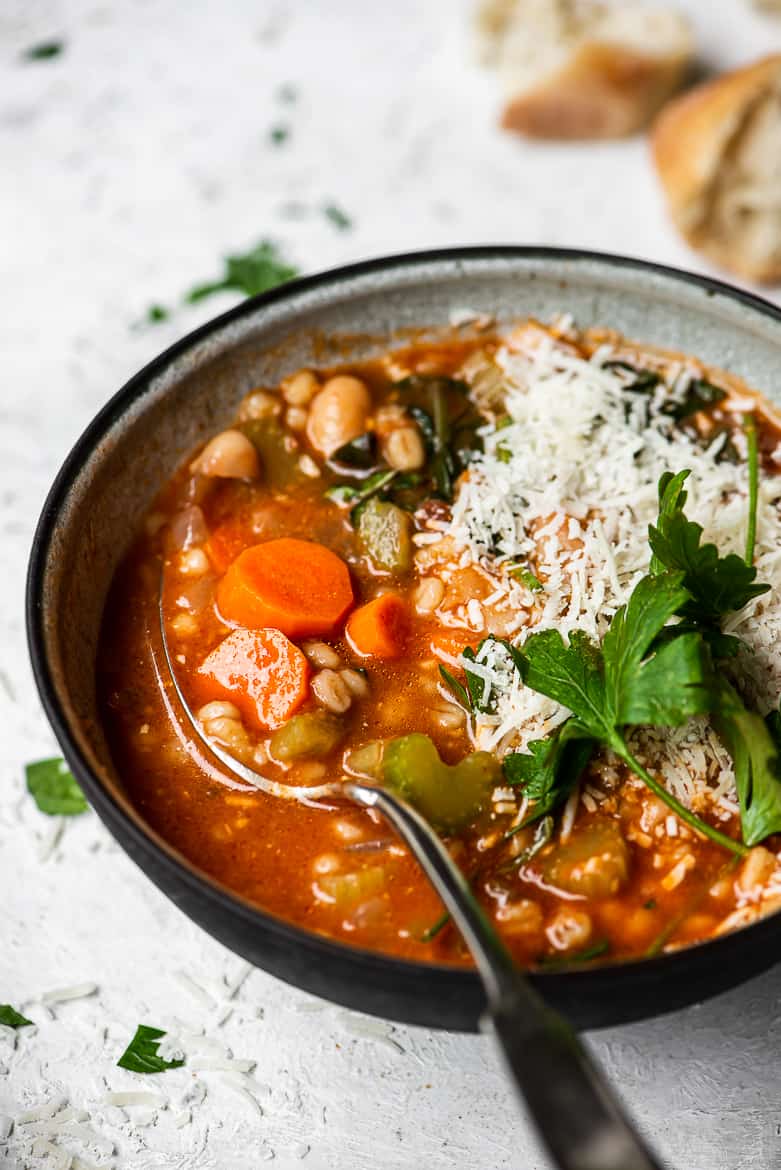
x=141 y=1055
x=11 y=1018
x=254 y=272
x=54 y=788
x=44 y=51
x=340 y=220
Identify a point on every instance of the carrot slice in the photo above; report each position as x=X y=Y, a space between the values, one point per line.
x=225 y=543
x=380 y=628
x=297 y=586
x=261 y=672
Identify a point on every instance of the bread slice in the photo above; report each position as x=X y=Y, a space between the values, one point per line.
x=583 y=68
x=718 y=154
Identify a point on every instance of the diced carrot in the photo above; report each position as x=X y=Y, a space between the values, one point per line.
x=225 y=543
x=296 y=586
x=447 y=643
x=380 y=628
x=261 y=672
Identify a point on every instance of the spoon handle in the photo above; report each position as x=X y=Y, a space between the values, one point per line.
x=568 y=1100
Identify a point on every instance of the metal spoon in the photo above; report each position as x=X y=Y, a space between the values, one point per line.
x=574 y=1110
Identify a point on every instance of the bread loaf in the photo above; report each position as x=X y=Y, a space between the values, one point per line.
x=718 y=153
x=577 y=69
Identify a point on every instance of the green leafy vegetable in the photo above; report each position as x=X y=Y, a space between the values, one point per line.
x=11 y=1018
x=337 y=217
x=473 y=696
x=44 y=51
x=54 y=789
x=141 y=1055
x=753 y=744
x=752 y=442
x=353 y=497
x=542 y=835
x=524 y=574
x=628 y=681
x=548 y=773
x=595 y=951
x=436 y=927
x=643 y=381
x=450 y=434
x=717 y=585
x=360 y=452
x=254 y=272
x=700 y=395
x=461 y=694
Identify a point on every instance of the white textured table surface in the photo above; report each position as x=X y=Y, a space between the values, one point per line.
x=130 y=165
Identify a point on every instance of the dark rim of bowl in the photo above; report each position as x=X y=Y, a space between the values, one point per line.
x=181 y=868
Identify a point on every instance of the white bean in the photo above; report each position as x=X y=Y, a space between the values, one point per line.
x=229 y=455
x=338 y=413
x=300 y=388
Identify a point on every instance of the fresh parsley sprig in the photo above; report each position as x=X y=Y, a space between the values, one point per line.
x=627 y=681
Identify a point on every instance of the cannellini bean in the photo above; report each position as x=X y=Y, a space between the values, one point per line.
x=356 y=682
x=428 y=594
x=338 y=413
x=184 y=625
x=331 y=691
x=569 y=930
x=217 y=710
x=259 y=404
x=193 y=562
x=229 y=455
x=296 y=418
x=322 y=655
x=187 y=528
x=300 y=388
x=403 y=449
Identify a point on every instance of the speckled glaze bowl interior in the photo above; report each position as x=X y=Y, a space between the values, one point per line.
x=191 y=390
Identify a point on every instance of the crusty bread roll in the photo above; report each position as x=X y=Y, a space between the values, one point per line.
x=583 y=68
x=718 y=153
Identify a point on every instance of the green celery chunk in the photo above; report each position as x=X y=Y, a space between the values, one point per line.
x=384 y=534
x=449 y=796
x=313 y=733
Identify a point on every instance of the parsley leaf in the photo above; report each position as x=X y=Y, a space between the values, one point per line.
x=629 y=680
x=54 y=789
x=141 y=1054
x=754 y=744
x=11 y=1018
x=157 y=313
x=257 y=271
x=549 y=771
x=337 y=217
x=44 y=51
x=717 y=585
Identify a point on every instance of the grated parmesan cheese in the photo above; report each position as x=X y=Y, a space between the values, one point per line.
x=567 y=483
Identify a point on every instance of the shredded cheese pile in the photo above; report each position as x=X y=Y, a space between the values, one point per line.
x=567 y=484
